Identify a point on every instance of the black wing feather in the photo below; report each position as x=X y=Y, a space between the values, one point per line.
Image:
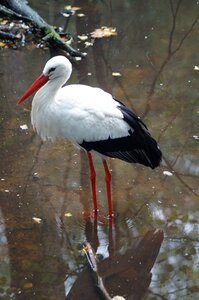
x=137 y=147
x=129 y=112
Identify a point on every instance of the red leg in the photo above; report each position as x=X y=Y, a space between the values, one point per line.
x=93 y=181
x=108 y=187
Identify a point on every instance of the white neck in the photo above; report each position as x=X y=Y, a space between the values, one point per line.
x=43 y=107
x=47 y=93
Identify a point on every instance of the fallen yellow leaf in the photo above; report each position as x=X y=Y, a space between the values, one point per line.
x=28 y=285
x=4 y=22
x=3 y=45
x=69 y=7
x=75 y=8
x=68 y=214
x=103 y=32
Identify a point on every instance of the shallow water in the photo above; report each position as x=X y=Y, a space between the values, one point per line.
x=151 y=251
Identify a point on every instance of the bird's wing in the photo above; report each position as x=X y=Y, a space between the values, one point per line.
x=137 y=146
x=130 y=117
x=89 y=114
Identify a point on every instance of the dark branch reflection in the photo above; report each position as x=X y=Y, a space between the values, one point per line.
x=124 y=269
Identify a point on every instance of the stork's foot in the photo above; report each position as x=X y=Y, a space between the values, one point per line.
x=90 y=215
x=97 y=216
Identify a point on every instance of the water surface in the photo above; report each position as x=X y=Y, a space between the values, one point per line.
x=151 y=252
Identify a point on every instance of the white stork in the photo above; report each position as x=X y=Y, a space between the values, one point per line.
x=91 y=119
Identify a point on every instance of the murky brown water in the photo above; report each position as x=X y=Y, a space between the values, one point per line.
x=156 y=51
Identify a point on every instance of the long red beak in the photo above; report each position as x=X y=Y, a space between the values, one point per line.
x=39 y=82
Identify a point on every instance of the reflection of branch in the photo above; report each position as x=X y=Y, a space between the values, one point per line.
x=167 y=126
x=179 y=177
x=180 y=153
x=174 y=15
x=170 y=52
x=33 y=166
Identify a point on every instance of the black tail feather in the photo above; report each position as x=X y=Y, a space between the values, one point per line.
x=145 y=151
x=137 y=147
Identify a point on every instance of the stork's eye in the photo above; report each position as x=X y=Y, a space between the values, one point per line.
x=51 y=70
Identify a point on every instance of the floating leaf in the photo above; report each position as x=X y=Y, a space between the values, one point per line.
x=195 y=137
x=4 y=22
x=3 y=45
x=82 y=37
x=68 y=215
x=103 y=32
x=167 y=173
x=37 y=220
x=116 y=74
x=69 y=7
x=70 y=10
x=28 y=285
x=77 y=58
x=81 y=15
x=66 y=15
x=88 y=44
x=24 y=127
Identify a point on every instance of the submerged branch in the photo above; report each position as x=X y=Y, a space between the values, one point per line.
x=90 y=255
x=19 y=9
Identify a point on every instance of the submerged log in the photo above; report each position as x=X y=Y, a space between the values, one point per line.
x=19 y=9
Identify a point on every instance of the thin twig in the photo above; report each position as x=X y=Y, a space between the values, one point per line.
x=174 y=14
x=179 y=177
x=91 y=257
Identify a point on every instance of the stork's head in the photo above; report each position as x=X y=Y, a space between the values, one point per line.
x=57 y=67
